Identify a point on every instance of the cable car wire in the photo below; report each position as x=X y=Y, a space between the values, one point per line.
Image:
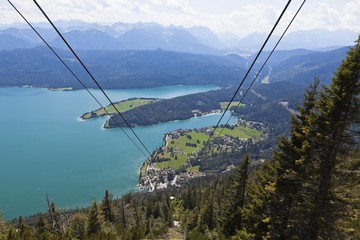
x=91 y=75
x=263 y=65
x=244 y=78
x=72 y=72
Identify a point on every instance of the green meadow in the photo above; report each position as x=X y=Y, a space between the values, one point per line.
x=223 y=105
x=122 y=106
x=178 y=150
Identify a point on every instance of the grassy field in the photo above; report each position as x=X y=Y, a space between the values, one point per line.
x=173 y=163
x=122 y=106
x=193 y=169
x=177 y=150
x=233 y=104
x=182 y=146
x=180 y=143
x=266 y=80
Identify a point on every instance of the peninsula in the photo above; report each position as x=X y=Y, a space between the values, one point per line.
x=121 y=106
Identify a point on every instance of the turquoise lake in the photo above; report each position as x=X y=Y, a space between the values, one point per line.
x=46 y=149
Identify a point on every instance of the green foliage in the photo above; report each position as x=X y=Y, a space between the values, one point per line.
x=305 y=204
x=94 y=220
x=177 y=151
x=233 y=104
x=347 y=190
x=260 y=190
x=24 y=231
x=292 y=161
x=243 y=235
x=121 y=106
x=107 y=207
x=178 y=108
x=235 y=199
x=78 y=225
x=3 y=226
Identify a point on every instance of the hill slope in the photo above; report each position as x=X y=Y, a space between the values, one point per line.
x=117 y=69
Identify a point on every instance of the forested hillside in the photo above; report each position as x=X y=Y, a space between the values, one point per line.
x=261 y=104
x=38 y=67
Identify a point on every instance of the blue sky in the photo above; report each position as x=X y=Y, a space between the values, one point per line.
x=237 y=16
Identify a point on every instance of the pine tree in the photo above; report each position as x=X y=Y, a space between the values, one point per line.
x=292 y=161
x=304 y=202
x=24 y=230
x=338 y=108
x=94 y=221
x=255 y=213
x=41 y=225
x=231 y=219
x=206 y=218
x=107 y=209
x=55 y=218
x=122 y=217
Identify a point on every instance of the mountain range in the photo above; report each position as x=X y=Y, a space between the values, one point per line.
x=152 y=68
x=152 y=36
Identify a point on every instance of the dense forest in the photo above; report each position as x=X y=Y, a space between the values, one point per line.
x=309 y=189
x=117 y=69
x=264 y=109
x=38 y=67
x=178 y=108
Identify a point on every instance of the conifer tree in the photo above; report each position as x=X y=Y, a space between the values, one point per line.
x=231 y=220
x=338 y=108
x=41 y=226
x=24 y=230
x=292 y=160
x=94 y=221
x=55 y=218
x=255 y=213
x=122 y=217
x=206 y=215
x=304 y=199
x=107 y=209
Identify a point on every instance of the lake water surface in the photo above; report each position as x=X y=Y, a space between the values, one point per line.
x=46 y=149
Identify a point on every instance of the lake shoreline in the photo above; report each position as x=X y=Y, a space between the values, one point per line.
x=101 y=159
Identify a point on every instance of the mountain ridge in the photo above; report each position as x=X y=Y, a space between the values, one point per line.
x=152 y=68
x=151 y=36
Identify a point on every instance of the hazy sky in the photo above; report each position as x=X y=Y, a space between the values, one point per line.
x=238 y=16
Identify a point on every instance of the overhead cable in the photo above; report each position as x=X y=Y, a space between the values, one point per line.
x=244 y=78
x=263 y=65
x=92 y=77
x=72 y=72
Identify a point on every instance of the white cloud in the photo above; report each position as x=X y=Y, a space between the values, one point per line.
x=240 y=19
x=331 y=17
x=257 y=17
x=351 y=17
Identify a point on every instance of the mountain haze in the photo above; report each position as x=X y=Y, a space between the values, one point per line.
x=152 y=36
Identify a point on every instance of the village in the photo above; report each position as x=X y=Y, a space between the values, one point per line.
x=171 y=164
